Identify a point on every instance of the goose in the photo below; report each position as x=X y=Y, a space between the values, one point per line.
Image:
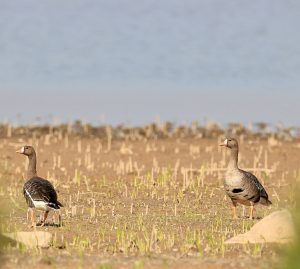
x=241 y=186
x=38 y=192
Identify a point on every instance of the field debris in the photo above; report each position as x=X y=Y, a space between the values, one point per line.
x=277 y=227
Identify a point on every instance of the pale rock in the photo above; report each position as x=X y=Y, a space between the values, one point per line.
x=32 y=239
x=277 y=227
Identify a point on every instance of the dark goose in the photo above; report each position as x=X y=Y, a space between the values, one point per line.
x=241 y=186
x=38 y=192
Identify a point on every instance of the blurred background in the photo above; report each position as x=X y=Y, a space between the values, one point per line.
x=133 y=62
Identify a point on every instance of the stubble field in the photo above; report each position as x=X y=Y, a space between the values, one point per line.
x=143 y=202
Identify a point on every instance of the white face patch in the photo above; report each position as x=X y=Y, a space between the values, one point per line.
x=226 y=142
x=22 y=150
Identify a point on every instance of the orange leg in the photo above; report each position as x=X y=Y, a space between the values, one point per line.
x=234 y=204
x=59 y=218
x=251 y=210
x=27 y=214
x=32 y=217
x=44 y=218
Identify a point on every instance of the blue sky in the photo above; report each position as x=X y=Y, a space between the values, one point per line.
x=131 y=61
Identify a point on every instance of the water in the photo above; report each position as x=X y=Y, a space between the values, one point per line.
x=134 y=60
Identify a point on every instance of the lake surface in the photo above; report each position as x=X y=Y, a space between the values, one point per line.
x=134 y=60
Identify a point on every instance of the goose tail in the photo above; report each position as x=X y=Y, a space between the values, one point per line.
x=59 y=204
x=56 y=205
x=265 y=201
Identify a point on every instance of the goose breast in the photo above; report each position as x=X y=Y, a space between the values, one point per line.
x=242 y=186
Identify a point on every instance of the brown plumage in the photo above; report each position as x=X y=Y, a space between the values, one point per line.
x=242 y=186
x=38 y=192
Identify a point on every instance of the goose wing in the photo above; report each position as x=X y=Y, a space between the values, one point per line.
x=39 y=189
x=254 y=182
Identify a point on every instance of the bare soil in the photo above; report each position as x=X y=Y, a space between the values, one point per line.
x=143 y=204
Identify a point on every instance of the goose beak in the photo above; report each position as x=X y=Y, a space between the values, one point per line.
x=21 y=150
x=224 y=144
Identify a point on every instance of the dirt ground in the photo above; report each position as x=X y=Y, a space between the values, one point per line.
x=144 y=204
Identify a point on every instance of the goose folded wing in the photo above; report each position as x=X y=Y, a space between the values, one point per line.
x=258 y=185
x=40 y=190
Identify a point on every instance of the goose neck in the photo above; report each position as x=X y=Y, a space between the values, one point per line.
x=233 y=160
x=31 y=171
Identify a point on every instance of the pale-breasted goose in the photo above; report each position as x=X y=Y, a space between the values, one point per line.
x=241 y=186
x=38 y=192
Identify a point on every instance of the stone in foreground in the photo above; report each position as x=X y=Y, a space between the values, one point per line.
x=32 y=239
x=277 y=227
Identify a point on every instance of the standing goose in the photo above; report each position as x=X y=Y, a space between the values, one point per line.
x=38 y=192
x=241 y=186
